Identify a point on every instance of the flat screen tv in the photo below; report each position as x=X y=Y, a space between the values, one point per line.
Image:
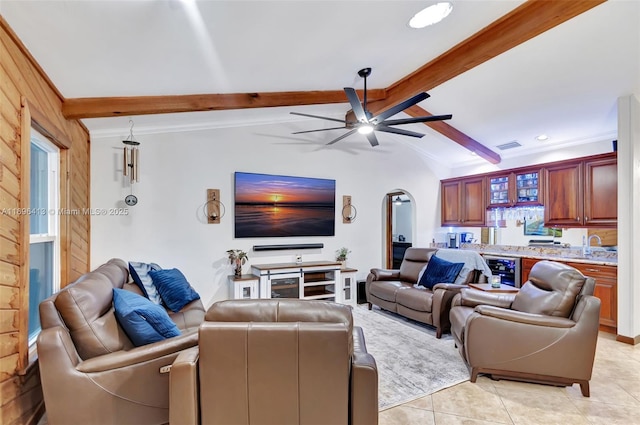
x=279 y=206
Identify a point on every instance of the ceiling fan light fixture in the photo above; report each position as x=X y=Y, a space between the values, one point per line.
x=365 y=129
x=431 y=15
x=398 y=201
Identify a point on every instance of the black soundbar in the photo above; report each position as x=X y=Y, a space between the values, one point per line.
x=288 y=246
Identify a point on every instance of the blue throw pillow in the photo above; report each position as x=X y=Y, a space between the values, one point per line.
x=140 y=275
x=143 y=321
x=174 y=289
x=439 y=271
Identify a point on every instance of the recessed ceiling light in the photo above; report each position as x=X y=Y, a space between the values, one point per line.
x=431 y=15
x=542 y=137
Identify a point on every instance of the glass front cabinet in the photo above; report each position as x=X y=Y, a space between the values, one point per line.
x=515 y=189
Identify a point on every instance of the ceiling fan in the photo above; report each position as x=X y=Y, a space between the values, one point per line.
x=367 y=123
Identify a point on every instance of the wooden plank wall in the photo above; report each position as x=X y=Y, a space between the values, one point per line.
x=23 y=82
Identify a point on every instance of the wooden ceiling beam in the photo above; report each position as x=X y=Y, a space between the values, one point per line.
x=523 y=23
x=100 y=107
x=455 y=135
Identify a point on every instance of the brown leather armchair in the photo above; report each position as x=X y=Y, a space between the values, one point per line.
x=276 y=362
x=546 y=333
x=91 y=372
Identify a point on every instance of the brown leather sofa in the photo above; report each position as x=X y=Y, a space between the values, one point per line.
x=546 y=333
x=91 y=372
x=394 y=290
x=276 y=362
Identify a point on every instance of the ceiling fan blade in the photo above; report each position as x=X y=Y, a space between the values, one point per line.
x=349 y=133
x=418 y=119
x=318 y=116
x=400 y=107
x=358 y=110
x=398 y=131
x=320 y=129
x=372 y=139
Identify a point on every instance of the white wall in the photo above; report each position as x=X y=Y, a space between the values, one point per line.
x=628 y=216
x=569 y=151
x=176 y=168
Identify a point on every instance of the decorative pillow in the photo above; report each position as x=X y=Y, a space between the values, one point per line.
x=140 y=275
x=439 y=271
x=143 y=321
x=174 y=289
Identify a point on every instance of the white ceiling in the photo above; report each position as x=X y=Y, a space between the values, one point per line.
x=564 y=83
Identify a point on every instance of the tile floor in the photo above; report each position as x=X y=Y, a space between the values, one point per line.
x=615 y=398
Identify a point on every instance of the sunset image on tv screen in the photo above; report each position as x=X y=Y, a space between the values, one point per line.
x=272 y=206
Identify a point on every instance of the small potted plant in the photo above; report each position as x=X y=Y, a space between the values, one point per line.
x=237 y=258
x=341 y=255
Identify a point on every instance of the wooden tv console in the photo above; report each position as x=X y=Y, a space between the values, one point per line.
x=310 y=280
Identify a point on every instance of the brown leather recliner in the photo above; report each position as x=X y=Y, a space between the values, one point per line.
x=394 y=290
x=91 y=372
x=546 y=333
x=276 y=362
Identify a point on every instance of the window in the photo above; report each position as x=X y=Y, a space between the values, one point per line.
x=44 y=242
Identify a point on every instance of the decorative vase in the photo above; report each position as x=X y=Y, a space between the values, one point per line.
x=343 y=264
x=238 y=270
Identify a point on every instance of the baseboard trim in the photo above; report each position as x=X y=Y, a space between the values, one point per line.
x=288 y=246
x=628 y=340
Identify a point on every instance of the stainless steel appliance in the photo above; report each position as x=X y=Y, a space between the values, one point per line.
x=508 y=268
x=452 y=240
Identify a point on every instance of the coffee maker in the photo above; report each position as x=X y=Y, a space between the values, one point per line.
x=452 y=240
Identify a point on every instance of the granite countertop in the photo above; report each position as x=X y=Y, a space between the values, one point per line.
x=609 y=258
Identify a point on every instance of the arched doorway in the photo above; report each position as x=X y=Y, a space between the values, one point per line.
x=399 y=227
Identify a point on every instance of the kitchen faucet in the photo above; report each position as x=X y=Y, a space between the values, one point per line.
x=586 y=246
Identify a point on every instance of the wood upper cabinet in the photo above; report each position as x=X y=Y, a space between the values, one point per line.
x=601 y=192
x=563 y=195
x=517 y=188
x=582 y=193
x=463 y=201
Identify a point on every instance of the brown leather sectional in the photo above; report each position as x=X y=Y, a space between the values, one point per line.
x=251 y=361
x=279 y=362
x=394 y=290
x=91 y=372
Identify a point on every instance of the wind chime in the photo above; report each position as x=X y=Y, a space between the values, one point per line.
x=130 y=166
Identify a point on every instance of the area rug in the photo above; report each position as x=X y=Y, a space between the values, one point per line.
x=411 y=362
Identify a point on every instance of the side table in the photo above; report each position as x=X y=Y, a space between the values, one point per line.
x=244 y=286
x=505 y=289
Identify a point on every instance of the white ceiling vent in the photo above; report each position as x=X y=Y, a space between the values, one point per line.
x=509 y=145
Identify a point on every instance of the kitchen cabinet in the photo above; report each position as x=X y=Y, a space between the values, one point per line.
x=513 y=189
x=606 y=289
x=601 y=192
x=582 y=193
x=463 y=201
x=525 y=268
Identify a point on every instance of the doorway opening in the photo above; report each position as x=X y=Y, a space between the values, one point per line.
x=399 y=227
